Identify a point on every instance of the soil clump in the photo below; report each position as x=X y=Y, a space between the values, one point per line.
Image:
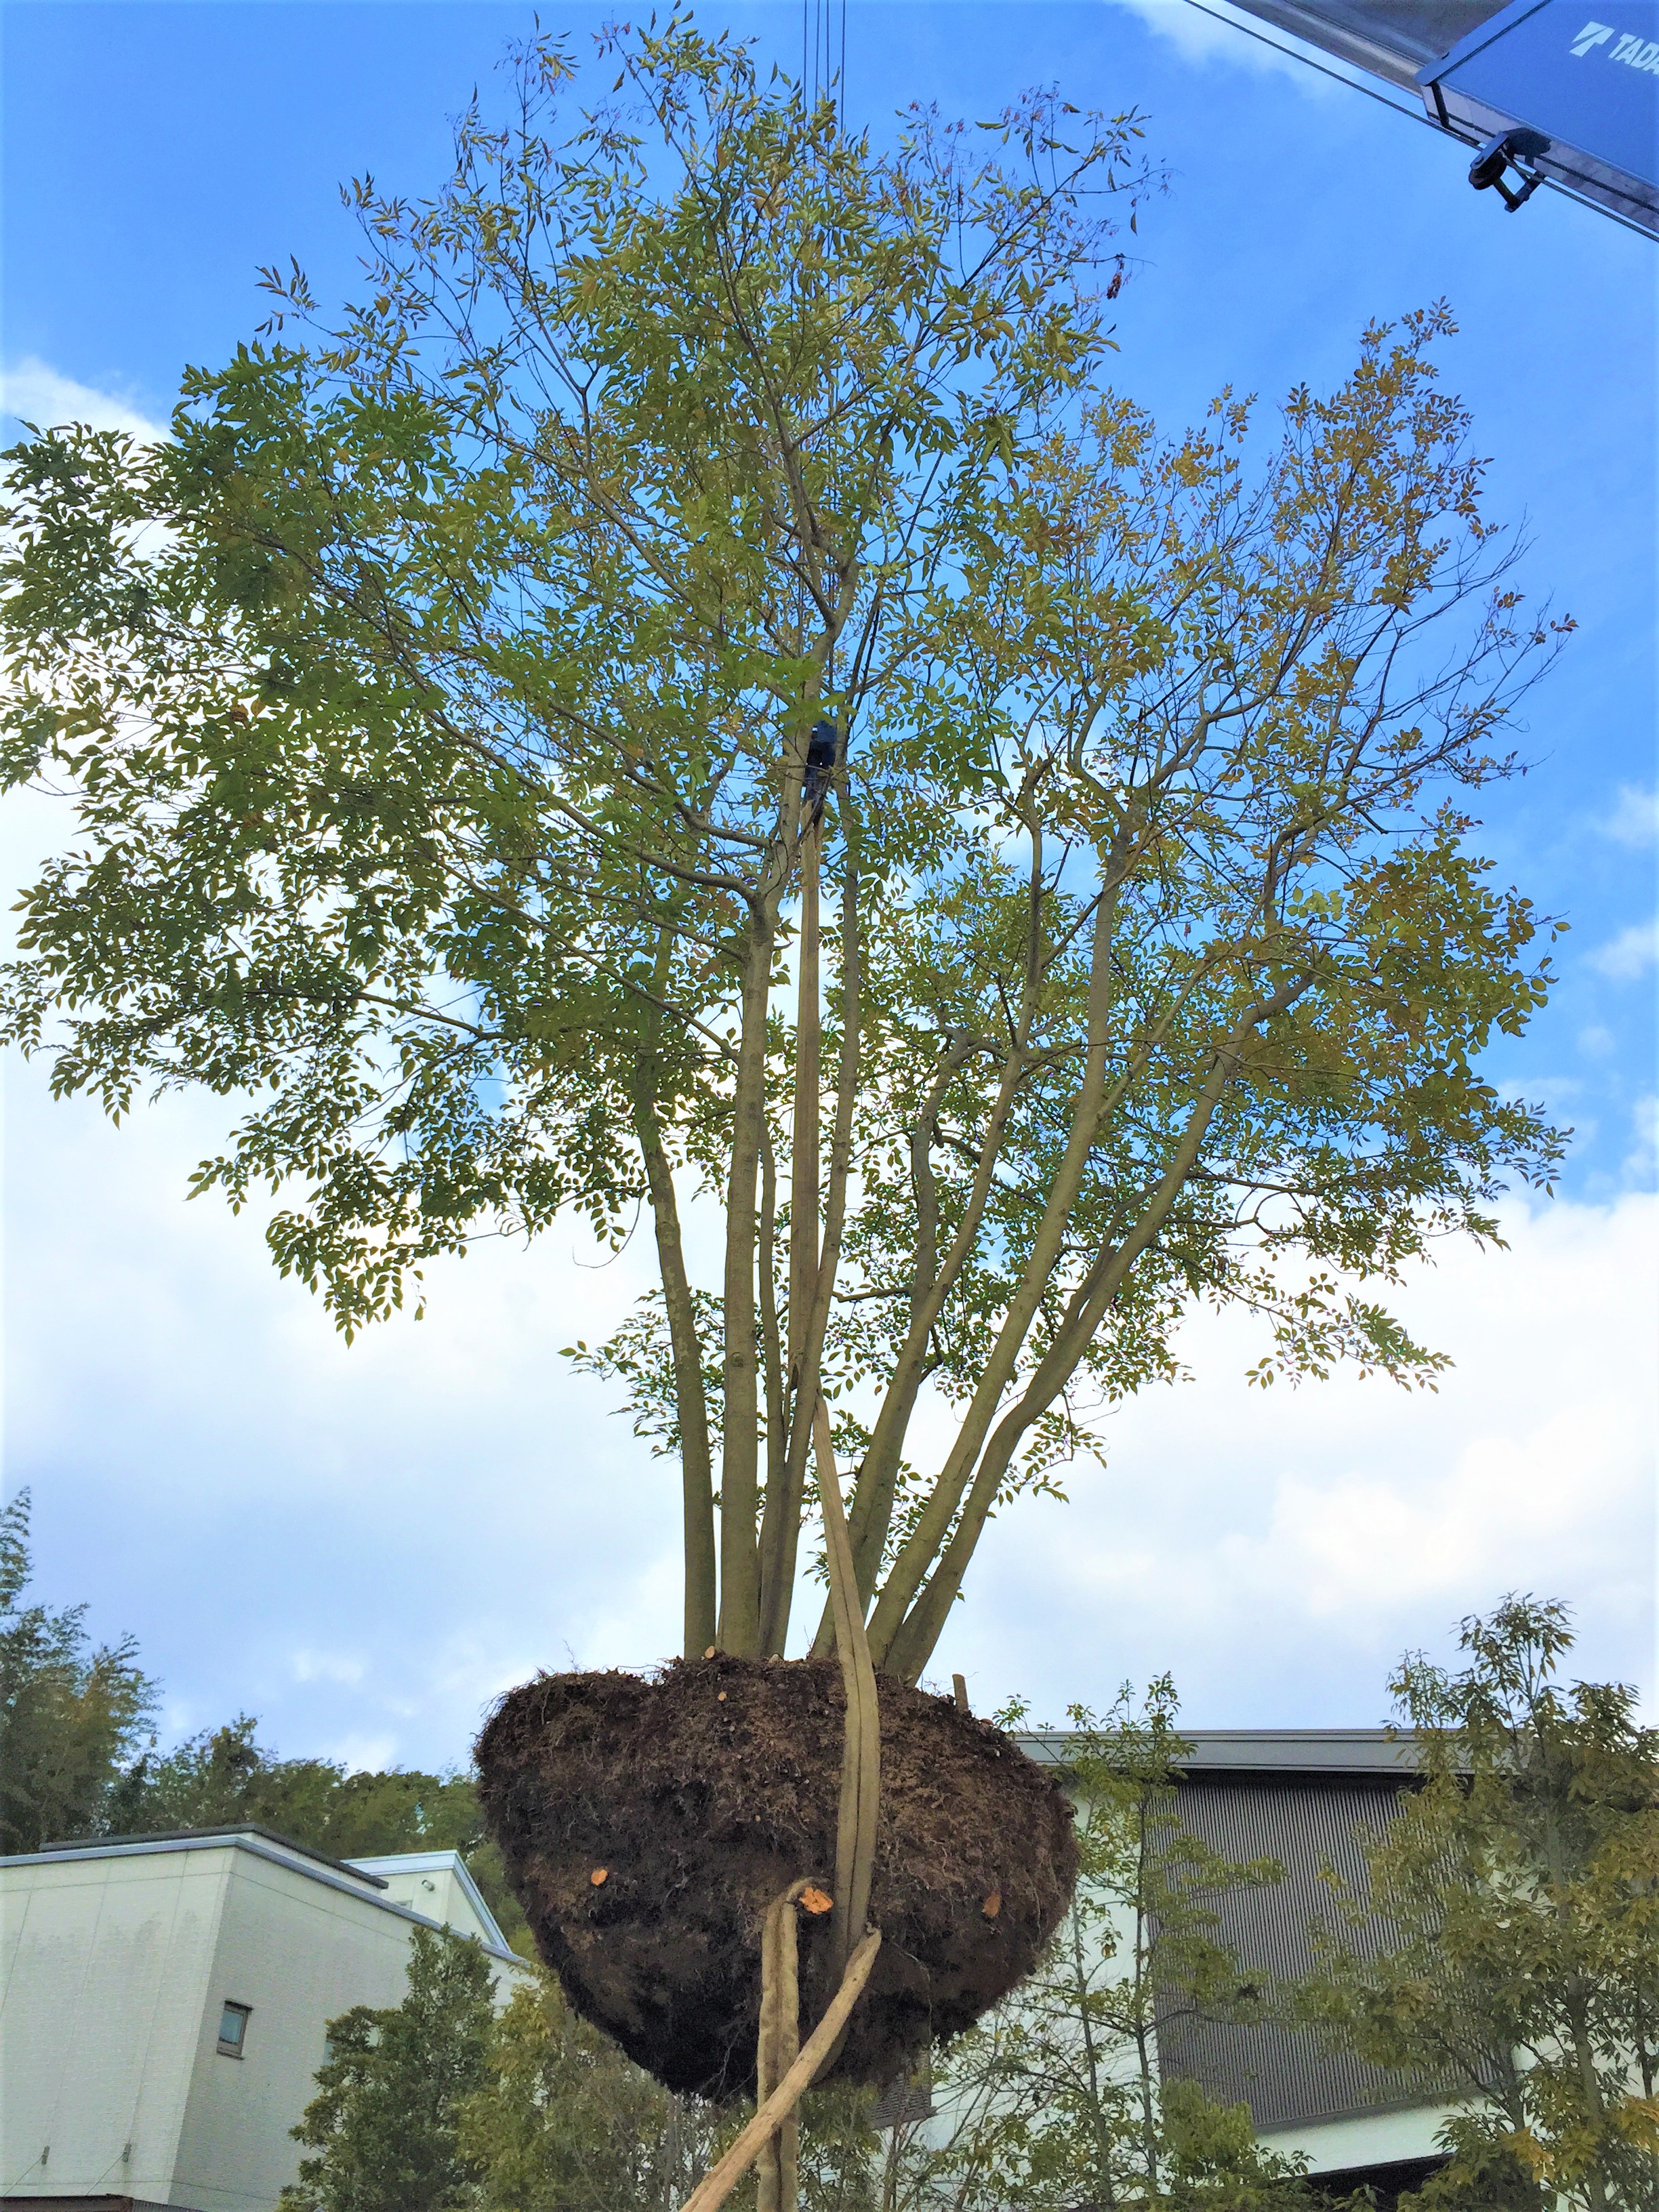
x=647 y=1825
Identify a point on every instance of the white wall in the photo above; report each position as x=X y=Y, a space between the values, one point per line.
x=436 y=1884
x=117 y=1966
x=298 y=1953
x=1376 y=2138
x=105 y=1971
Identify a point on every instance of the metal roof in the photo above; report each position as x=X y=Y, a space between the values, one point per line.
x=279 y=1850
x=221 y=1831
x=1313 y=1754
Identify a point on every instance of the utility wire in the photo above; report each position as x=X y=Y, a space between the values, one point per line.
x=1412 y=114
x=823 y=67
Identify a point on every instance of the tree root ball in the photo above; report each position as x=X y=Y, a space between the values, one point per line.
x=647 y=1824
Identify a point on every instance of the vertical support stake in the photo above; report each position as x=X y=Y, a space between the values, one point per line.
x=860 y=1766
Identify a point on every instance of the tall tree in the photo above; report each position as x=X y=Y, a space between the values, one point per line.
x=1060 y=2100
x=710 y=521
x=71 y=1712
x=383 y=2126
x=1522 y=1880
x=564 y=2124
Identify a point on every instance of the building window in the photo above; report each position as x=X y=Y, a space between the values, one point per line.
x=232 y=2030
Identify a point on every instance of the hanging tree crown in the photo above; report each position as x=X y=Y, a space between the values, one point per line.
x=453 y=789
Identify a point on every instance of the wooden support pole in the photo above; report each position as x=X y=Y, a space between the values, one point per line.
x=777 y=2169
x=723 y=2178
x=861 y=1768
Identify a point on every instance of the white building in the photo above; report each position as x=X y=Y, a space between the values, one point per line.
x=163 y=2003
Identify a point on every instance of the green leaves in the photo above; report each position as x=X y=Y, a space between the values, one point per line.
x=383 y=2125
x=70 y=1713
x=433 y=707
x=562 y=2118
x=1521 y=1881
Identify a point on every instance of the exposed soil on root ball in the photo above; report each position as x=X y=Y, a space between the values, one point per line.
x=647 y=1826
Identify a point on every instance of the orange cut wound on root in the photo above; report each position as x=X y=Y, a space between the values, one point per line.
x=993 y=1905
x=720 y=1700
x=709 y=1653
x=814 y=1900
x=599 y=1875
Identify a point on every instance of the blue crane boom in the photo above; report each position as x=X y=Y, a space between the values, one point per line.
x=1557 y=92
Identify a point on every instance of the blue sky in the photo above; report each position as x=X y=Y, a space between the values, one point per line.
x=362 y=1547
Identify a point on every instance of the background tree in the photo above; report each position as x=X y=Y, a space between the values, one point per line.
x=383 y=2125
x=441 y=774
x=225 y=1775
x=525 y=2109
x=71 y=1712
x=565 y=2123
x=79 y=1758
x=1058 y=2099
x=1522 y=1880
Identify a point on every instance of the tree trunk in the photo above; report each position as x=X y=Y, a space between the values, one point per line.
x=739 y=1629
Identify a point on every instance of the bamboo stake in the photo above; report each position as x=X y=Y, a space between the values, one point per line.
x=723 y=2178
x=777 y=2169
x=768 y=2178
x=861 y=1765
x=804 y=1140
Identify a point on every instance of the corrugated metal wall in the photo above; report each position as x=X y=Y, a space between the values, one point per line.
x=1286 y=2074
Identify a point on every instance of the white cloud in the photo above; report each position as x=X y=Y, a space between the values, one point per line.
x=1278 y=1549
x=328 y=1667
x=1200 y=36
x=1635 y=820
x=364 y=1546
x=364 y=1754
x=33 y=393
x=1360 y=1540
x=370 y=1541
x=1629 y=955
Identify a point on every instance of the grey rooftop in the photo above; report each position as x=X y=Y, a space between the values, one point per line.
x=1350 y=1753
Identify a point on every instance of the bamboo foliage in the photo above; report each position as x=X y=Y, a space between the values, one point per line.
x=439 y=771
